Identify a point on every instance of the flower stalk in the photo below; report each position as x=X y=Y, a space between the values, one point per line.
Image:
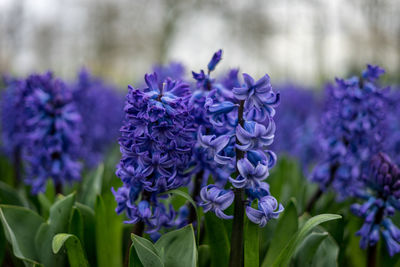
x=237 y=238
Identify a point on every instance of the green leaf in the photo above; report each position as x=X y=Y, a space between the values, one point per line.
x=286 y=254
x=108 y=227
x=327 y=254
x=50 y=192
x=75 y=226
x=134 y=260
x=76 y=255
x=10 y=196
x=218 y=240
x=89 y=236
x=178 y=248
x=20 y=226
x=147 y=252
x=251 y=243
x=58 y=220
x=285 y=230
x=45 y=205
x=309 y=247
x=191 y=201
x=204 y=256
x=91 y=187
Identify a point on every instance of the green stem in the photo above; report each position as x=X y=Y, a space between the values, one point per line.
x=236 y=258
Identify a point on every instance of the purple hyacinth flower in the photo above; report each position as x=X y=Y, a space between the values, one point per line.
x=392 y=245
x=214 y=146
x=157 y=142
x=255 y=136
x=267 y=210
x=249 y=175
x=373 y=72
x=217 y=200
x=215 y=60
x=257 y=94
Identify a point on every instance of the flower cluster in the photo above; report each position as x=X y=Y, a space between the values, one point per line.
x=239 y=131
x=392 y=136
x=13 y=117
x=100 y=107
x=297 y=124
x=382 y=199
x=52 y=132
x=350 y=131
x=156 y=143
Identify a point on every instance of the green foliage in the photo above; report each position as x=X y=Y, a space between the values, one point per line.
x=174 y=249
x=91 y=186
x=108 y=227
x=191 y=201
x=251 y=244
x=20 y=226
x=147 y=252
x=218 y=240
x=286 y=254
x=178 y=248
x=204 y=256
x=57 y=223
x=76 y=255
x=285 y=230
x=306 y=252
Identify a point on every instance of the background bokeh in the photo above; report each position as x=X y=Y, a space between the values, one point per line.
x=306 y=41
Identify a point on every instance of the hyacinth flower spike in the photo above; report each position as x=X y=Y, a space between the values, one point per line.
x=382 y=201
x=242 y=129
x=350 y=133
x=157 y=138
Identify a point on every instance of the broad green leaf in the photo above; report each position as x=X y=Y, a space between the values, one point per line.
x=327 y=254
x=75 y=226
x=91 y=187
x=191 y=201
x=204 y=256
x=58 y=220
x=178 y=248
x=251 y=244
x=108 y=232
x=218 y=240
x=89 y=242
x=286 y=254
x=9 y=195
x=284 y=232
x=147 y=252
x=76 y=255
x=306 y=252
x=20 y=226
x=134 y=260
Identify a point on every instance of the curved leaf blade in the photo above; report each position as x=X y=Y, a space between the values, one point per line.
x=287 y=253
x=178 y=248
x=146 y=251
x=76 y=255
x=191 y=201
x=286 y=228
x=20 y=226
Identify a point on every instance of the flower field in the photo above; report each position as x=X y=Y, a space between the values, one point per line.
x=207 y=168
